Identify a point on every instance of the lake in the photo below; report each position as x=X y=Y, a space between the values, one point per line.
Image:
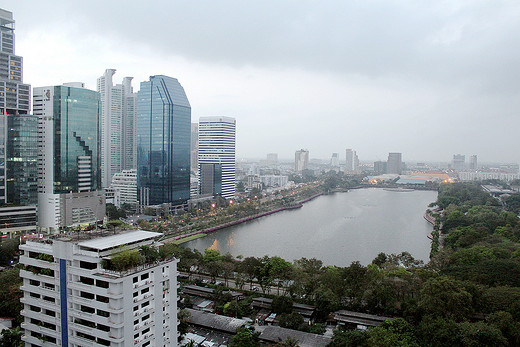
x=337 y=229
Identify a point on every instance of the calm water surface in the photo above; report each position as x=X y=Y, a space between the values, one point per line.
x=338 y=229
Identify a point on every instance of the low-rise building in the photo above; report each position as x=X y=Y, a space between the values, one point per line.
x=71 y=297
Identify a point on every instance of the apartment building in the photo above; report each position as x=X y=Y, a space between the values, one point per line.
x=74 y=296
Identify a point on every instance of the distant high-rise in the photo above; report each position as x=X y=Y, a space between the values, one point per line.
x=272 y=159
x=334 y=161
x=379 y=167
x=301 y=160
x=194 y=148
x=14 y=94
x=163 y=142
x=351 y=161
x=118 y=113
x=69 y=173
x=459 y=162
x=394 y=164
x=473 y=163
x=217 y=146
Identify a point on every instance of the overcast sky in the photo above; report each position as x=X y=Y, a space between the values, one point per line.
x=426 y=78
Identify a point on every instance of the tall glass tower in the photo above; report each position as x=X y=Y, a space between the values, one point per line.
x=69 y=162
x=14 y=95
x=163 y=142
x=22 y=159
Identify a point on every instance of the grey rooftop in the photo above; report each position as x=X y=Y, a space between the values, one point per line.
x=107 y=242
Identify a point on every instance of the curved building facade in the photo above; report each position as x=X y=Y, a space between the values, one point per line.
x=163 y=142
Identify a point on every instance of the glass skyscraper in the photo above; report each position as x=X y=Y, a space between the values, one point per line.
x=69 y=162
x=22 y=159
x=14 y=94
x=163 y=142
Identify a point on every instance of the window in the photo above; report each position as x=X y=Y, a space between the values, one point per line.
x=145 y=276
x=102 y=284
x=144 y=304
x=87 y=265
x=103 y=313
x=102 y=298
x=135 y=279
x=145 y=290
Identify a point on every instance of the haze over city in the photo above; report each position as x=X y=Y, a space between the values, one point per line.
x=427 y=80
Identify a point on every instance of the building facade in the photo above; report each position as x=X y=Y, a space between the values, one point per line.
x=217 y=146
x=301 y=160
x=14 y=94
x=73 y=295
x=22 y=159
x=210 y=179
x=473 y=163
x=394 y=164
x=124 y=188
x=69 y=172
x=163 y=142
x=194 y=148
x=118 y=114
x=459 y=162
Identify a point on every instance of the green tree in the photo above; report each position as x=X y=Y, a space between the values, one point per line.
x=349 y=338
x=480 y=334
x=245 y=338
x=291 y=320
x=392 y=333
x=11 y=338
x=445 y=297
x=282 y=304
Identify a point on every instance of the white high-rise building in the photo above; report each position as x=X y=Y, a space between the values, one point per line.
x=301 y=160
x=352 y=161
x=124 y=186
x=217 y=146
x=75 y=293
x=118 y=115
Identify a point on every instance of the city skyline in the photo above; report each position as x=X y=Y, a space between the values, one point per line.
x=426 y=81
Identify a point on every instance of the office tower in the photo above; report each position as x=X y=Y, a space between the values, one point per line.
x=301 y=160
x=349 y=163
x=194 y=148
x=394 y=164
x=163 y=142
x=80 y=292
x=124 y=187
x=129 y=145
x=22 y=159
x=352 y=162
x=334 y=161
x=473 y=163
x=118 y=113
x=210 y=179
x=69 y=174
x=459 y=162
x=17 y=147
x=14 y=94
x=379 y=167
x=272 y=159
x=217 y=146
